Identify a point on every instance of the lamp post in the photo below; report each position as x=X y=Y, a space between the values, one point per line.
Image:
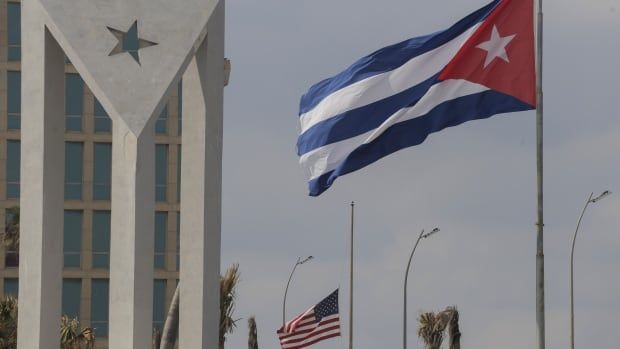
x=299 y=262
x=572 y=254
x=422 y=236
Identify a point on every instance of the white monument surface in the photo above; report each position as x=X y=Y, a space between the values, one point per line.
x=130 y=53
x=129 y=89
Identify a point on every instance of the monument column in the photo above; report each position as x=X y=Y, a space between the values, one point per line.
x=132 y=237
x=201 y=190
x=42 y=183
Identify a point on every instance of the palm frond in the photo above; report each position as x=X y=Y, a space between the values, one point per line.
x=228 y=295
x=253 y=333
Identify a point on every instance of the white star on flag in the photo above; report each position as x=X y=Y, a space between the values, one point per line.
x=496 y=47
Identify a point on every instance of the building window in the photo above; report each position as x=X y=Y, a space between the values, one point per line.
x=99 y=298
x=74 y=157
x=161 y=124
x=11 y=287
x=101 y=239
x=13 y=155
x=13 y=99
x=11 y=251
x=180 y=108
x=102 y=171
x=161 y=220
x=14 y=31
x=161 y=171
x=72 y=246
x=179 y=153
x=71 y=296
x=74 y=102
x=178 y=241
x=103 y=123
x=159 y=304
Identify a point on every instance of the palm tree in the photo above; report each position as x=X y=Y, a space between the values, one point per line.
x=8 y=323
x=228 y=293
x=432 y=328
x=253 y=335
x=72 y=336
x=10 y=236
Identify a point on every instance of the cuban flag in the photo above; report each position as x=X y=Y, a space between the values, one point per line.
x=395 y=97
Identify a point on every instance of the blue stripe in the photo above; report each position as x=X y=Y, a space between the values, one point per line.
x=363 y=119
x=389 y=58
x=415 y=131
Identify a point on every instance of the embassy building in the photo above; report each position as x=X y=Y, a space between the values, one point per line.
x=87 y=188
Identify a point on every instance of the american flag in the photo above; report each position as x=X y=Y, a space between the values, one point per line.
x=314 y=325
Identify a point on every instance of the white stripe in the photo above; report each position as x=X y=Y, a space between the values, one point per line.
x=293 y=323
x=307 y=327
x=331 y=326
x=381 y=86
x=310 y=339
x=327 y=158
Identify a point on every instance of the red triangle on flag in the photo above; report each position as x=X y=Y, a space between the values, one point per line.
x=500 y=54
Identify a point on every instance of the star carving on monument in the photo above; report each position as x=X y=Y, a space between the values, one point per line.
x=130 y=42
x=496 y=47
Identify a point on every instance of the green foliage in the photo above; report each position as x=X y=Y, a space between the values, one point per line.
x=432 y=328
x=10 y=237
x=8 y=323
x=228 y=294
x=72 y=336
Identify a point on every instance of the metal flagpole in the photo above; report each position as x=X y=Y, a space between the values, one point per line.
x=540 y=257
x=351 y=280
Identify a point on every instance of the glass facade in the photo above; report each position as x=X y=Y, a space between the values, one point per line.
x=99 y=304
x=11 y=287
x=13 y=100
x=11 y=255
x=74 y=168
x=161 y=221
x=159 y=304
x=103 y=123
x=74 y=102
x=102 y=171
x=180 y=108
x=13 y=163
x=161 y=124
x=161 y=172
x=179 y=152
x=71 y=297
x=14 y=31
x=72 y=245
x=101 y=239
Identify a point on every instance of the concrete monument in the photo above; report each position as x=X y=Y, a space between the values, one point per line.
x=130 y=53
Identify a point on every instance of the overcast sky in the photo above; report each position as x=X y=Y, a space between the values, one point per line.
x=475 y=181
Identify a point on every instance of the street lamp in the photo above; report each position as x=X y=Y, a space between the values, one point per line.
x=299 y=262
x=422 y=236
x=572 y=254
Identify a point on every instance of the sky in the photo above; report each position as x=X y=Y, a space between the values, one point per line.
x=477 y=182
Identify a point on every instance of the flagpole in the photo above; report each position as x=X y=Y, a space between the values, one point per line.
x=540 y=257
x=351 y=280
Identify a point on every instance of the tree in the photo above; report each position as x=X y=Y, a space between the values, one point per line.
x=228 y=294
x=253 y=334
x=72 y=336
x=8 y=323
x=10 y=236
x=432 y=328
